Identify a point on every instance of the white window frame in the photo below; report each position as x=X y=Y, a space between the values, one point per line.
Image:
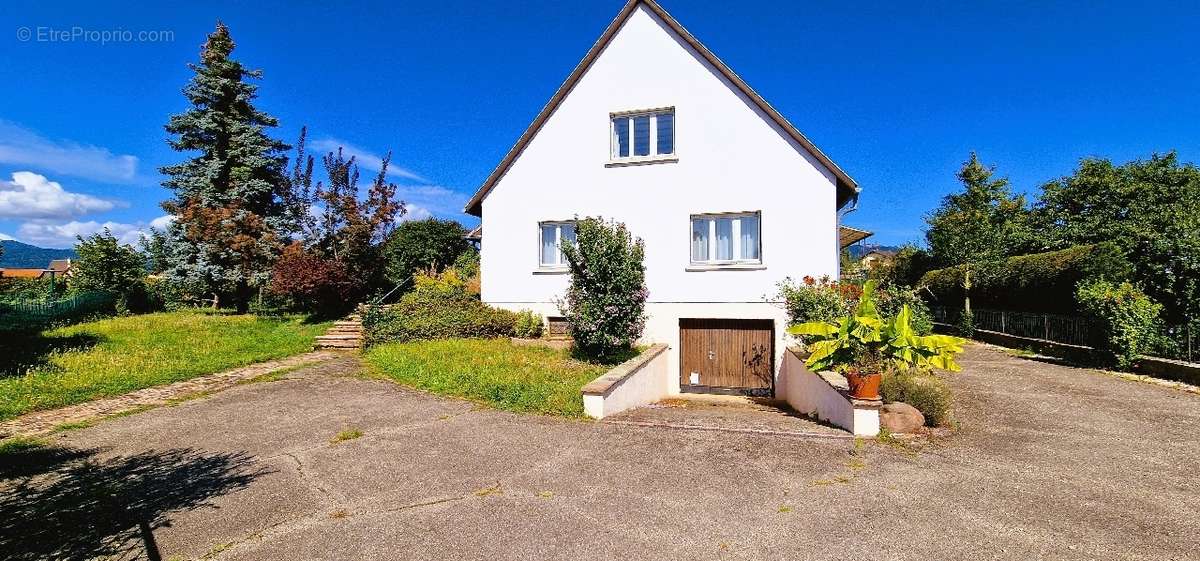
x=735 y=235
x=562 y=260
x=653 y=155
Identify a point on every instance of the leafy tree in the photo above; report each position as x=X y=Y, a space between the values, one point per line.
x=904 y=268
x=606 y=299
x=314 y=282
x=351 y=229
x=154 y=248
x=233 y=206
x=105 y=265
x=981 y=224
x=1150 y=208
x=418 y=245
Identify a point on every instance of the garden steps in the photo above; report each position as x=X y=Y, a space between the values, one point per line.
x=344 y=334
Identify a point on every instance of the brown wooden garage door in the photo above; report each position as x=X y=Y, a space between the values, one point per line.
x=727 y=356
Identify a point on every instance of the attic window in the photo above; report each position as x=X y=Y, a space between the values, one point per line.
x=643 y=135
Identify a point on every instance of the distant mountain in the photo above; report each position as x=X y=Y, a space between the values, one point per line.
x=24 y=256
x=856 y=251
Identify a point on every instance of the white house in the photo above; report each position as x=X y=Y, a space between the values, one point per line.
x=652 y=130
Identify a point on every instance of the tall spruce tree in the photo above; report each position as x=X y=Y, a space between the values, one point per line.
x=983 y=223
x=232 y=201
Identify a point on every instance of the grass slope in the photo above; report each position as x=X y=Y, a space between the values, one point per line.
x=114 y=356
x=492 y=371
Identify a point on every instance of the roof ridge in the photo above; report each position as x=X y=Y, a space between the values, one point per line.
x=844 y=181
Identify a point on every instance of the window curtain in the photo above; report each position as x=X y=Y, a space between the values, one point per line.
x=621 y=131
x=724 y=239
x=566 y=237
x=699 y=241
x=549 y=247
x=666 y=132
x=749 y=238
x=641 y=135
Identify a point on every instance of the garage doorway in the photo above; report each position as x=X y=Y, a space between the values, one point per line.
x=730 y=356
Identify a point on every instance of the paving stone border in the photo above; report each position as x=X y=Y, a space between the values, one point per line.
x=42 y=422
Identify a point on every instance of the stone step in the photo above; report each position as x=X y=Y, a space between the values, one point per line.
x=346 y=328
x=333 y=338
x=337 y=345
x=345 y=323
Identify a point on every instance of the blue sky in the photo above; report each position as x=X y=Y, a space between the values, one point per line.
x=896 y=94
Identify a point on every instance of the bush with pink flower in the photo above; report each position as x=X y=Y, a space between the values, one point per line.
x=606 y=301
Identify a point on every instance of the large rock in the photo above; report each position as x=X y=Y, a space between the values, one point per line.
x=901 y=417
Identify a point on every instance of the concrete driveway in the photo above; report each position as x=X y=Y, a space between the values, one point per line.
x=1051 y=463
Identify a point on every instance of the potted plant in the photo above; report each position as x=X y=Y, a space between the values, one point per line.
x=862 y=344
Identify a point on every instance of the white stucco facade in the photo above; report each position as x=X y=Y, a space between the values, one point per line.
x=729 y=156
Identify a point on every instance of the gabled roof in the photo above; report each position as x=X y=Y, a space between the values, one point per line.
x=847 y=187
x=22 y=273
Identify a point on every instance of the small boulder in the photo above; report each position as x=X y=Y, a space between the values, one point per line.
x=901 y=418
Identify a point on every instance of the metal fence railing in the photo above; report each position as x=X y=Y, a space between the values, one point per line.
x=15 y=314
x=1050 y=327
x=1177 y=342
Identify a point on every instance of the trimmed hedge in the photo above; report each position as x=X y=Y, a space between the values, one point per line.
x=1039 y=282
x=431 y=314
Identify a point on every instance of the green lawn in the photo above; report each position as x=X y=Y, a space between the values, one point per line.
x=114 y=356
x=492 y=371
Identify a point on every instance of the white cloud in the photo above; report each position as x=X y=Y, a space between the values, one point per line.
x=4 y=236
x=49 y=234
x=365 y=160
x=415 y=213
x=30 y=195
x=162 y=222
x=23 y=147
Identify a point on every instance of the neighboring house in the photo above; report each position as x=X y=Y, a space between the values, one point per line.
x=877 y=257
x=60 y=267
x=652 y=130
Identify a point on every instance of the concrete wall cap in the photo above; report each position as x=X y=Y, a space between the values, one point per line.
x=613 y=378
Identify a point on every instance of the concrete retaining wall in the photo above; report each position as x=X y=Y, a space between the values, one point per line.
x=824 y=395
x=1186 y=372
x=639 y=381
x=1165 y=368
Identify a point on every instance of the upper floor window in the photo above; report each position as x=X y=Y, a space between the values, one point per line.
x=643 y=134
x=553 y=235
x=726 y=238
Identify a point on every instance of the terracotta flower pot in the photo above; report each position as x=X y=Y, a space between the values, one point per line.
x=864 y=385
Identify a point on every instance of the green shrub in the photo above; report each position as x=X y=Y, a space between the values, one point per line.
x=421 y=245
x=467 y=264
x=891 y=298
x=865 y=340
x=815 y=299
x=1040 y=282
x=826 y=301
x=923 y=390
x=529 y=324
x=439 y=308
x=606 y=300
x=966 y=324
x=1128 y=319
x=20 y=289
